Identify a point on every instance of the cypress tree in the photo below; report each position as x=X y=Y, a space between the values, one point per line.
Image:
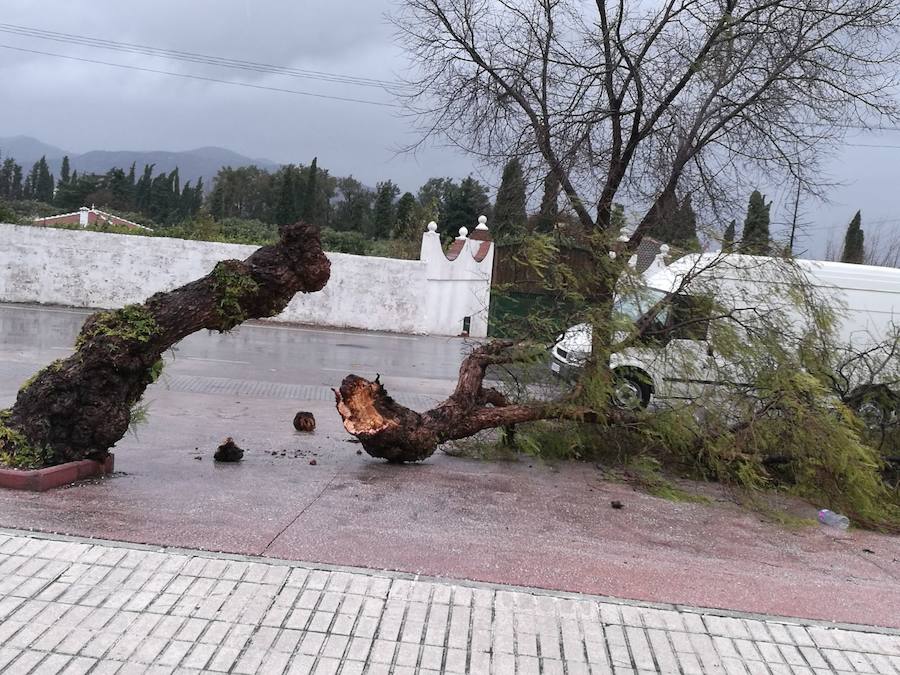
x=509 y=209
x=404 y=219
x=308 y=211
x=43 y=186
x=17 y=189
x=383 y=212
x=286 y=210
x=728 y=237
x=29 y=190
x=142 y=189
x=755 y=240
x=683 y=231
x=549 y=213
x=7 y=172
x=65 y=171
x=854 y=242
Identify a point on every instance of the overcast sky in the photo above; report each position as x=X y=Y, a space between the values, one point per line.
x=83 y=106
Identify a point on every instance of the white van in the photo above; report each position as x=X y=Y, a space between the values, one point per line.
x=865 y=299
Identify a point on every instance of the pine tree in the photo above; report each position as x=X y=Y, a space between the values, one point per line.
x=43 y=186
x=383 y=211
x=755 y=240
x=309 y=202
x=549 y=213
x=728 y=236
x=509 y=209
x=64 y=172
x=854 y=242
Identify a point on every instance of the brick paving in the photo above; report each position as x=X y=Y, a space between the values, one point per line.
x=82 y=606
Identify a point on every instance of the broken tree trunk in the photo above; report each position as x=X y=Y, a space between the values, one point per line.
x=391 y=431
x=79 y=407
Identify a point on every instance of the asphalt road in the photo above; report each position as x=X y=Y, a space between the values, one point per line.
x=312 y=497
x=271 y=359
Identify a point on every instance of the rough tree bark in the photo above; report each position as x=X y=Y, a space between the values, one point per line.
x=391 y=431
x=79 y=407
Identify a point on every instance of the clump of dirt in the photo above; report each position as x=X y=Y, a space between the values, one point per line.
x=304 y=421
x=228 y=452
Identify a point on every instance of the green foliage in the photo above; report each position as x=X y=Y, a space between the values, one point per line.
x=647 y=472
x=549 y=212
x=756 y=239
x=384 y=212
x=156 y=370
x=7 y=215
x=132 y=323
x=407 y=223
x=678 y=227
x=138 y=416
x=728 y=236
x=354 y=209
x=232 y=284
x=17 y=453
x=854 y=242
x=510 y=216
x=463 y=204
x=309 y=210
x=287 y=211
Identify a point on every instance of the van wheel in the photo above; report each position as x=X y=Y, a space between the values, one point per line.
x=630 y=390
x=874 y=406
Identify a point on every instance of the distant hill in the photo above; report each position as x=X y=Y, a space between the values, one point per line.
x=192 y=164
x=26 y=150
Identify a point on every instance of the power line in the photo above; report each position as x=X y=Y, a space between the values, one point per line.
x=194 y=57
x=204 y=78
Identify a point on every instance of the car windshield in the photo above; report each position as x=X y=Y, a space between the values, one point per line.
x=634 y=305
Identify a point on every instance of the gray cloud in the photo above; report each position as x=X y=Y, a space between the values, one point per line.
x=83 y=106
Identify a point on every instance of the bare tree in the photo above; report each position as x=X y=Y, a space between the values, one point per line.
x=632 y=102
x=635 y=103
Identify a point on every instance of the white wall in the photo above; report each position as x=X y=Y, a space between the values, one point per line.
x=100 y=270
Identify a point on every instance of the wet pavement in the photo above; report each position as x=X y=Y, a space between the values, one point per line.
x=518 y=522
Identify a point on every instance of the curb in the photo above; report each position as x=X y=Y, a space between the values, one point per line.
x=40 y=480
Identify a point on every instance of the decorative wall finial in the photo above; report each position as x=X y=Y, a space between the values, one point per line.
x=463 y=232
x=432 y=226
x=482 y=223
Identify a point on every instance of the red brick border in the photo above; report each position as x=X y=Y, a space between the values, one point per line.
x=38 y=480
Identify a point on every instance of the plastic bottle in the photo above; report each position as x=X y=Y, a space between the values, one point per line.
x=833 y=519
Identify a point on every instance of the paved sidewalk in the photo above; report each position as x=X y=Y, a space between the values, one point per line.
x=79 y=606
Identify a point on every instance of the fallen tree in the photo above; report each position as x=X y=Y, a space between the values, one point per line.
x=396 y=433
x=79 y=407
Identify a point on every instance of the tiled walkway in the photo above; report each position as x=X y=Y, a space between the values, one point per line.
x=77 y=606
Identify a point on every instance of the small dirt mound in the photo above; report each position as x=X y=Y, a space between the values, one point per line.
x=304 y=421
x=228 y=452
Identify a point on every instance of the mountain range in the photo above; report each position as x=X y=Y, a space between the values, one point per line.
x=192 y=164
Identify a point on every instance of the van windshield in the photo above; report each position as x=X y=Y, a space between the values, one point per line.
x=636 y=304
